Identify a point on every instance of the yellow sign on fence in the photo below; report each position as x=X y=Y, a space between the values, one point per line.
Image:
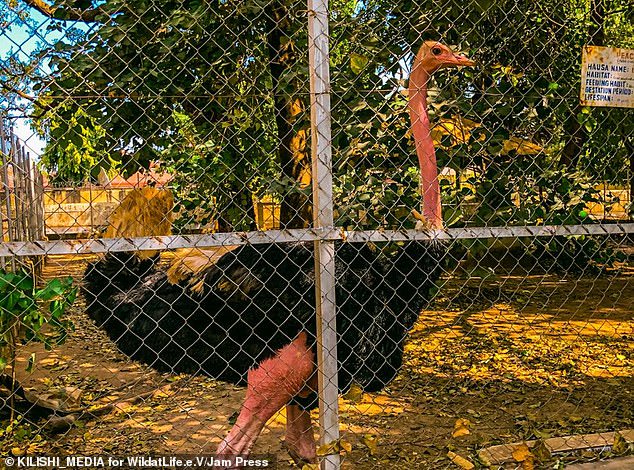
x=607 y=77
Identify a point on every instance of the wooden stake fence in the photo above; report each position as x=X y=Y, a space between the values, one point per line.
x=22 y=198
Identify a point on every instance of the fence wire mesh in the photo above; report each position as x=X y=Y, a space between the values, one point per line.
x=398 y=211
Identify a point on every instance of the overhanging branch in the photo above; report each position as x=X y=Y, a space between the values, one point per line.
x=20 y=93
x=74 y=14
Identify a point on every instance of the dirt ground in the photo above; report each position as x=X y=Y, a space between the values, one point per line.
x=513 y=357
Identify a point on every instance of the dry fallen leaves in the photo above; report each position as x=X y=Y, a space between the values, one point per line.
x=334 y=447
x=523 y=455
x=541 y=451
x=460 y=461
x=461 y=428
x=370 y=441
x=622 y=445
x=354 y=394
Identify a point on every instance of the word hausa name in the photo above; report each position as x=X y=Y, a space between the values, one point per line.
x=608 y=68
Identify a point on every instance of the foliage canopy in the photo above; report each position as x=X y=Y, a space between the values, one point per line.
x=217 y=94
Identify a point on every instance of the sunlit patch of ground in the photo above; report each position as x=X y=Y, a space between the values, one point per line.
x=503 y=343
x=518 y=357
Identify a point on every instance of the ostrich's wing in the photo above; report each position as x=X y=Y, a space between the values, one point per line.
x=190 y=264
x=263 y=274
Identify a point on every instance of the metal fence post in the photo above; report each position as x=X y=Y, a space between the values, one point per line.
x=323 y=218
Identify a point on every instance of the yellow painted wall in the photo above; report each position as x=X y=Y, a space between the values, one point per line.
x=80 y=211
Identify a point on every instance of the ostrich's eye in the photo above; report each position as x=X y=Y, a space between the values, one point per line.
x=436 y=51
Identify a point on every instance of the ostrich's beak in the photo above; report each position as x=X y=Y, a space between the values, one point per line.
x=461 y=60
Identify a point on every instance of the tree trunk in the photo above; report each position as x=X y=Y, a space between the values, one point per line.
x=629 y=145
x=596 y=35
x=292 y=128
x=577 y=135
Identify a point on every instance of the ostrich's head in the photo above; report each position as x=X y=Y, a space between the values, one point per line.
x=434 y=55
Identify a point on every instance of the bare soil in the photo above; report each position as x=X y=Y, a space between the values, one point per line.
x=511 y=357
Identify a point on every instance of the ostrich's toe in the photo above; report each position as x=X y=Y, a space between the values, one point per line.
x=300 y=440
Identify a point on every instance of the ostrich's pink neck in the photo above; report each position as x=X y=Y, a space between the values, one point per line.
x=424 y=145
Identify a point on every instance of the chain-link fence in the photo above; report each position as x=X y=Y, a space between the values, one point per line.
x=395 y=220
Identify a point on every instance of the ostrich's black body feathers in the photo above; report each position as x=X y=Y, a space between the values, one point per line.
x=257 y=299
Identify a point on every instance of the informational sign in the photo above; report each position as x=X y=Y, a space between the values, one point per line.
x=607 y=77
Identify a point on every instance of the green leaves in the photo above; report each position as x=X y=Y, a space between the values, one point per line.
x=26 y=310
x=194 y=88
x=483 y=5
x=586 y=119
x=74 y=151
x=358 y=62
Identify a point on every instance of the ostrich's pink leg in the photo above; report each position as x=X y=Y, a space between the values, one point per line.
x=300 y=440
x=269 y=388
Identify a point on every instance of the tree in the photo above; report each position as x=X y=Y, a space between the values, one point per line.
x=217 y=92
x=247 y=61
x=75 y=151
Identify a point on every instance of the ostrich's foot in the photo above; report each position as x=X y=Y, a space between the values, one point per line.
x=300 y=440
x=269 y=387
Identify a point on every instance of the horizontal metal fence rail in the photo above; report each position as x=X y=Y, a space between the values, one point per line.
x=171 y=242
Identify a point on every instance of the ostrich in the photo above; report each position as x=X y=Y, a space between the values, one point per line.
x=251 y=318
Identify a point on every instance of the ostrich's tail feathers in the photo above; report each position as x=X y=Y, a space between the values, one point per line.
x=412 y=275
x=143 y=212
